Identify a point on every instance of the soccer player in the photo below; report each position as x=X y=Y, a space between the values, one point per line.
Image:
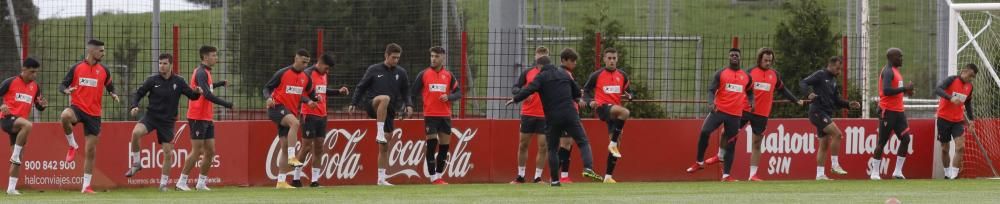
x=200 y=113
x=532 y=122
x=568 y=59
x=314 y=124
x=287 y=89
x=729 y=93
x=84 y=83
x=610 y=85
x=18 y=94
x=956 y=95
x=766 y=81
x=438 y=88
x=165 y=92
x=559 y=94
x=891 y=116
x=826 y=98
x=382 y=90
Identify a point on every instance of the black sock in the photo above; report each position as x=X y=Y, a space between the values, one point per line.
x=564 y=159
x=429 y=157
x=729 y=157
x=612 y=161
x=442 y=155
x=615 y=129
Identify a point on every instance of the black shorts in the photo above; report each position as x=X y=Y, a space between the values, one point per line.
x=390 y=114
x=164 y=129
x=314 y=127
x=604 y=111
x=7 y=124
x=820 y=120
x=532 y=125
x=91 y=124
x=893 y=121
x=276 y=114
x=202 y=129
x=948 y=130
x=757 y=123
x=437 y=125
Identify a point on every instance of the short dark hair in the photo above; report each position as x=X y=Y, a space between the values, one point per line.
x=437 y=49
x=610 y=50
x=569 y=54
x=393 y=48
x=168 y=57
x=764 y=51
x=834 y=59
x=735 y=50
x=973 y=67
x=327 y=59
x=302 y=52
x=95 y=42
x=205 y=49
x=31 y=63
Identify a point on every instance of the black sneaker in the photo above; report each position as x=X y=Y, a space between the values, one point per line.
x=518 y=180
x=314 y=184
x=297 y=183
x=539 y=180
x=132 y=171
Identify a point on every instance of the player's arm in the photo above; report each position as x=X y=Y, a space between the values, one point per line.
x=108 y=86
x=310 y=92
x=404 y=88
x=810 y=81
x=939 y=90
x=4 y=88
x=713 y=87
x=185 y=89
x=627 y=88
x=748 y=89
x=219 y=84
x=588 y=88
x=40 y=103
x=575 y=90
x=141 y=92
x=968 y=107
x=273 y=83
x=362 y=87
x=531 y=88
x=201 y=78
x=886 y=80
x=783 y=90
x=418 y=85
x=456 y=90
x=521 y=80
x=838 y=100
x=67 y=81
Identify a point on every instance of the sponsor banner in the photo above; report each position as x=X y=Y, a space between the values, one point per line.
x=43 y=165
x=480 y=151
x=789 y=149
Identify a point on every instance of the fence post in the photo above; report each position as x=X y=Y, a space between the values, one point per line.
x=844 y=79
x=464 y=74
x=319 y=42
x=597 y=51
x=25 y=40
x=177 y=48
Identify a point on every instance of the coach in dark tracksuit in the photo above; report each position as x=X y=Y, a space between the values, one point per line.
x=558 y=93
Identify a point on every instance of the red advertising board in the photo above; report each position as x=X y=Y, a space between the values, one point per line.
x=481 y=151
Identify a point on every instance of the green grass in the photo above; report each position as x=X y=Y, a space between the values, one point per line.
x=910 y=191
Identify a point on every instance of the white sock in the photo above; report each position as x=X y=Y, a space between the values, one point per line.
x=72 y=141
x=11 y=183
x=722 y=154
x=538 y=172
x=381 y=174
x=134 y=156
x=899 y=165
x=753 y=170
x=520 y=171
x=291 y=151
x=875 y=165
x=947 y=172
x=607 y=176
x=182 y=180
x=614 y=143
x=725 y=175
x=282 y=177
x=315 y=174
x=820 y=171
x=86 y=180
x=381 y=127
x=835 y=161
x=700 y=163
x=297 y=173
x=164 y=179
x=564 y=174
x=202 y=179
x=17 y=152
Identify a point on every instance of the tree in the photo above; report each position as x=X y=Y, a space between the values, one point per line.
x=26 y=13
x=804 y=43
x=610 y=29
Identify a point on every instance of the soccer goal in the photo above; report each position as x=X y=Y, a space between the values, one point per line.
x=974 y=37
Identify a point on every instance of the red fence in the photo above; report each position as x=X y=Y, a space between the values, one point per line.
x=483 y=151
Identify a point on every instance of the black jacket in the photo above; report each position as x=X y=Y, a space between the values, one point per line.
x=557 y=91
x=164 y=95
x=380 y=79
x=824 y=85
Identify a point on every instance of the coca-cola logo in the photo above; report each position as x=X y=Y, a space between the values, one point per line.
x=342 y=164
x=410 y=155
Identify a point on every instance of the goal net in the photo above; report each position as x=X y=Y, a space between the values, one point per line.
x=975 y=38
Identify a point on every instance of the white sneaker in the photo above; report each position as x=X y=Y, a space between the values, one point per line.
x=898 y=175
x=203 y=188
x=837 y=170
x=822 y=178
x=875 y=177
x=182 y=186
x=384 y=183
x=13 y=192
